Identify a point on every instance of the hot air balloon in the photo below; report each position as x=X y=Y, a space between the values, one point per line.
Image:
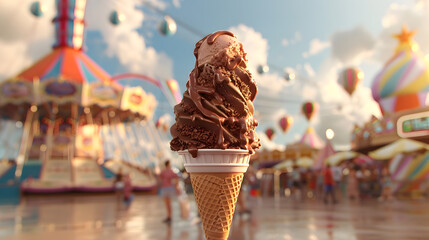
x=37 y=9
x=285 y=123
x=116 y=17
x=168 y=26
x=270 y=133
x=308 y=109
x=349 y=78
x=263 y=69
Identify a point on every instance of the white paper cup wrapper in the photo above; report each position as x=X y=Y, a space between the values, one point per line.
x=216 y=160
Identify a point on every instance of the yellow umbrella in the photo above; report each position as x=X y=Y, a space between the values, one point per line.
x=338 y=157
x=284 y=165
x=402 y=145
x=304 y=162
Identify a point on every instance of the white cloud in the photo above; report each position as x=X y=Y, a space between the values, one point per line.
x=285 y=42
x=256 y=47
x=414 y=16
x=341 y=112
x=176 y=3
x=309 y=69
x=268 y=144
x=254 y=44
x=297 y=137
x=316 y=46
x=125 y=42
x=20 y=33
x=351 y=46
x=296 y=38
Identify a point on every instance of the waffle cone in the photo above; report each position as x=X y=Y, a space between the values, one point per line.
x=216 y=196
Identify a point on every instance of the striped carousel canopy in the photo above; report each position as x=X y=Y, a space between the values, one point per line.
x=66 y=63
x=403 y=83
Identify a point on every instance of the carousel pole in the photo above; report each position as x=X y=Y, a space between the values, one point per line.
x=50 y=133
x=75 y=124
x=22 y=155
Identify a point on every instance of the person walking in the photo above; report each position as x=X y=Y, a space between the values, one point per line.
x=329 y=185
x=119 y=188
x=296 y=183
x=319 y=184
x=128 y=191
x=169 y=181
x=386 y=183
x=353 y=185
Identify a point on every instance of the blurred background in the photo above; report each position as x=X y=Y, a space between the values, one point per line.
x=88 y=90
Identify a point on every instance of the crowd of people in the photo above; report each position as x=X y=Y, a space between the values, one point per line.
x=330 y=184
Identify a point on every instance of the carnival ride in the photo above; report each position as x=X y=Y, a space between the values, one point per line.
x=72 y=116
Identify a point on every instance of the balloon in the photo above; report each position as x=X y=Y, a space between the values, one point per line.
x=349 y=78
x=289 y=76
x=116 y=17
x=270 y=133
x=159 y=123
x=309 y=109
x=263 y=69
x=165 y=127
x=36 y=9
x=168 y=26
x=285 y=123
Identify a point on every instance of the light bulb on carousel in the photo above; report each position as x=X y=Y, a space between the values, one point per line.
x=330 y=134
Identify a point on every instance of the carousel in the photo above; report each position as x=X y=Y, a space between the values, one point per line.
x=75 y=124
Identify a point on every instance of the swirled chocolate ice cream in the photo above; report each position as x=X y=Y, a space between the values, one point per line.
x=216 y=111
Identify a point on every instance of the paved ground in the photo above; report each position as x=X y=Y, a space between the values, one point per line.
x=99 y=217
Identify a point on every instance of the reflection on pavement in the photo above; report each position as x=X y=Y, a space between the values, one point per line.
x=100 y=217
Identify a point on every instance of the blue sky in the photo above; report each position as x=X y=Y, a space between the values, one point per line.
x=297 y=35
x=275 y=20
